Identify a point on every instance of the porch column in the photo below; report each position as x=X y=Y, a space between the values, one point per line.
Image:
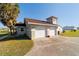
x=33 y=34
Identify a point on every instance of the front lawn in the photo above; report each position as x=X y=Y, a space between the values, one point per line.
x=15 y=47
x=3 y=35
x=70 y=33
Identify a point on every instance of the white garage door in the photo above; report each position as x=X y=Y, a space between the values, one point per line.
x=39 y=33
x=52 y=32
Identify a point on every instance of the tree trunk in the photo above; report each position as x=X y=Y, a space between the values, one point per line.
x=11 y=30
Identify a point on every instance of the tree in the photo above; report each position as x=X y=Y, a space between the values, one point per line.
x=8 y=14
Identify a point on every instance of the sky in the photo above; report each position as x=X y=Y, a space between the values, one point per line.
x=68 y=14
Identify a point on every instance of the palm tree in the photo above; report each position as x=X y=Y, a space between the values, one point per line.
x=8 y=14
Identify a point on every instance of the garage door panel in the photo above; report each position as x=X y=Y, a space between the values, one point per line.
x=39 y=33
x=43 y=32
x=52 y=32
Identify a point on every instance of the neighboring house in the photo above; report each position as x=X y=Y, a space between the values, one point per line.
x=69 y=28
x=37 y=28
x=77 y=28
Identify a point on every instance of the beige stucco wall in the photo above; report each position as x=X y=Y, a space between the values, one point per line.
x=42 y=30
x=28 y=31
x=59 y=29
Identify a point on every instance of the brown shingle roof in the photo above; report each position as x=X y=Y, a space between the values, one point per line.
x=36 y=21
x=20 y=24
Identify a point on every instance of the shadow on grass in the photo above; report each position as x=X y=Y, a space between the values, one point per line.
x=14 y=37
x=2 y=35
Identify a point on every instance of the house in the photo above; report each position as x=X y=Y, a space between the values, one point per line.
x=77 y=28
x=69 y=28
x=38 y=29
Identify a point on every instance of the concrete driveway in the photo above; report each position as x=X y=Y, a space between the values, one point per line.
x=56 y=46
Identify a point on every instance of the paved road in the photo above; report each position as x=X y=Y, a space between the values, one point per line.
x=56 y=46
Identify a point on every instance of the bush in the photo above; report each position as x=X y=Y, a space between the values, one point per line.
x=73 y=30
x=63 y=31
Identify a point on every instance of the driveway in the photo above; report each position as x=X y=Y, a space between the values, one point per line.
x=56 y=46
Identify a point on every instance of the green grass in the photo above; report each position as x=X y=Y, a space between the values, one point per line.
x=69 y=33
x=15 y=47
x=3 y=33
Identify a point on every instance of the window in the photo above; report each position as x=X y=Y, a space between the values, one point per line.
x=22 y=29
